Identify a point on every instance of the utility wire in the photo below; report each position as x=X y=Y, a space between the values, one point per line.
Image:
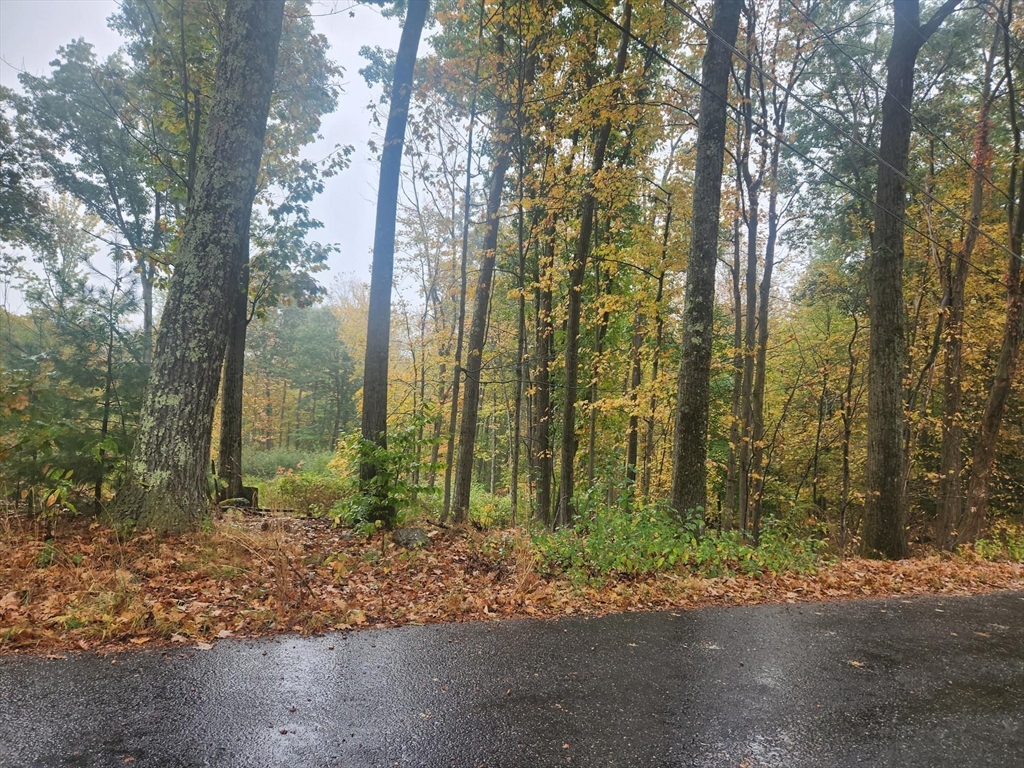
x=763 y=129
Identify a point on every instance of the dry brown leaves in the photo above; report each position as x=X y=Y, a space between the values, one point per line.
x=86 y=589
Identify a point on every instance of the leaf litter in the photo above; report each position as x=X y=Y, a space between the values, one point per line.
x=87 y=589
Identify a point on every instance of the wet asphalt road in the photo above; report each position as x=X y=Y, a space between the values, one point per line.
x=915 y=682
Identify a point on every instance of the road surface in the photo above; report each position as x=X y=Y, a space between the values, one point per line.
x=898 y=682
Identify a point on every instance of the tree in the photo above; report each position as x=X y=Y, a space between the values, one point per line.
x=79 y=108
x=22 y=203
x=166 y=487
x=378 y=328
x=883 y=533
x=564 y=510
x=1013 y=327
x=689 y=451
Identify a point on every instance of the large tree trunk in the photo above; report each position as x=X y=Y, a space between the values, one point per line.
x=166 y=487
x=378 y=324
x=883 y=533
x=689 y=450
x=567 y=482
x=229 y=453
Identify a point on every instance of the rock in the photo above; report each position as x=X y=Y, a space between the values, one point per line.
x=411 y=538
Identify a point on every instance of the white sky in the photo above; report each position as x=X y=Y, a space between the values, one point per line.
x=32 y=30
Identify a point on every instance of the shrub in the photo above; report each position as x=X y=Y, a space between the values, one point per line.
x=1004 y=542
x=308 y=492
x=267 y=465
x=391 y=493
x=488 y=510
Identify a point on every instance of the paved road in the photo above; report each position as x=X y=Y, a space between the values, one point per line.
x=922 y=682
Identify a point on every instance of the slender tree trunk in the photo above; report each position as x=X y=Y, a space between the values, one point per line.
x=951 y=500
x=565 y=511
x=749 y=354
x=229 y=453
x=1013 y=331
x=849 y=411
x=517 y=407
x=481 y=308
x=883 y=533
x=757 y=468
x=378 y=326
x=542 y=407
x=659 y=334
x=166 y=486
x=689 y=452
x=732 y=473
x=449 y=467
x=632 y=437
x=108 y=388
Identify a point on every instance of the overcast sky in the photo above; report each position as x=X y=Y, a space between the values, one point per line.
x=32 y=30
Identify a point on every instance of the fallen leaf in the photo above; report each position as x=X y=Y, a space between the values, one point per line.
x=204 y=646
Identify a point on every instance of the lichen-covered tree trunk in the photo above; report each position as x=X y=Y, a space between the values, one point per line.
x=689 y=449
x=166 y=488
x=883 y=533
x=378 y=324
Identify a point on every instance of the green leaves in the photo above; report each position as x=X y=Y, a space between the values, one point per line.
x=619 y=543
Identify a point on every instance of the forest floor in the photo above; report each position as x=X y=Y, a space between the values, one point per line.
x=84 y=587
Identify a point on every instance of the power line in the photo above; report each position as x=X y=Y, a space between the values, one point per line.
x=840 y=182
x=802 y=102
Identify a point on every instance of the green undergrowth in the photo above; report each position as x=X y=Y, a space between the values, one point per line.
x=305 y=492
x=616 y=543
x=1004 y=543
x=268 y=465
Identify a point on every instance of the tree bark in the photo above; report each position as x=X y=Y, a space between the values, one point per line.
x=1013 y=330
x=883 y=533
x=689 y=450
x=565 y=511
x=166 y=487
x=378 y=326
x=951 y=500
x=478 y=328
x=732 y=473
x=544 y=458
x=229 y=453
